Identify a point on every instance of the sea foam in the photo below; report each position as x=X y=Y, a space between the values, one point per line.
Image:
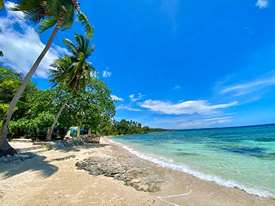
x=163 y=162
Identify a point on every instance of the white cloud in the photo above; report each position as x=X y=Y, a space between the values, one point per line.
x=21 y=44
x=203 y=123
x=128 y=108
x=262 y=4
x=177 y=87
x=185 y=107
x=106 y=74
x=136 y=97
x=249 y=87
x=116 y=98
x=195 y=123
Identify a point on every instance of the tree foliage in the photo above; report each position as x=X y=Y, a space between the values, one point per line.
x=73 y=71
x=124 y=127
x=9 y=82
x=49 y=13
x=37 y=109
x=1 y=4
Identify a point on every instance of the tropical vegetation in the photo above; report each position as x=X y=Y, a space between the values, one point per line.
x=37 y=109
x=47 y=13
x=72 y=72
x=90 y=108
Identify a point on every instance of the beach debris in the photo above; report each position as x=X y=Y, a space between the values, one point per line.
x=129 y=170
x=164 y=198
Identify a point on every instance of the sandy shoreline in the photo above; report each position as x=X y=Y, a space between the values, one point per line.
x=51 y=178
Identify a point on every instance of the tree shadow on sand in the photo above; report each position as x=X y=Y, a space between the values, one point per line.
x=69 y=147
x=35 y=162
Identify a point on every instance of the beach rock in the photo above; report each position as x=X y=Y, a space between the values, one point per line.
x=134 y=181
x=144 y=188
x=129 y=170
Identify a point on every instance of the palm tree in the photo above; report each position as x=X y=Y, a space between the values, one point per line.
x=48 y=13
x=72 y=72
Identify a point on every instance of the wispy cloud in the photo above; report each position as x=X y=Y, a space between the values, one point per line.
x=176 y=87
x=128 y=108
x=249 y=87
x=116 y=98
x=106 y=74
x=180 y=123
x=185 y=107
x=171 y=8
x=262 y=4
x=21 y=44
x=136 y=97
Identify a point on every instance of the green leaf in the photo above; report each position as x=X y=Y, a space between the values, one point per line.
x=1 y=4
x=88 y=27
x=70 y=45
x=46 y=24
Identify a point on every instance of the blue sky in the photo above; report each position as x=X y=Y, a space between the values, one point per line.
x=170 y=63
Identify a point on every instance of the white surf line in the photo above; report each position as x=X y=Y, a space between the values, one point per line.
x=162 y=198
x=185 y=169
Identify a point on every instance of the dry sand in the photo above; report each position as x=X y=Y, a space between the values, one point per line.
x=51 y=178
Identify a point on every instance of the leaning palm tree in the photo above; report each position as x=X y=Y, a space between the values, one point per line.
x=72 y=72
x=59 y=14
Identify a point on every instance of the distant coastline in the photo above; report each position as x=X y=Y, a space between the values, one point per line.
x=210 y=128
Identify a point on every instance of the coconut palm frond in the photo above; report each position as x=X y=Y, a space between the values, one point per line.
x=83 y=19
x=70 y=46
x=1 y=4
x=73 y=71
x=47 y=23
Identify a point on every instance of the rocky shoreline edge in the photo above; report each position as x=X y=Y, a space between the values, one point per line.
x=129 y=169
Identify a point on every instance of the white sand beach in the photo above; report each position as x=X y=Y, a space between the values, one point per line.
x=51 y=177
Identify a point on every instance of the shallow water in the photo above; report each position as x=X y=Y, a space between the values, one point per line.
x=235 y=157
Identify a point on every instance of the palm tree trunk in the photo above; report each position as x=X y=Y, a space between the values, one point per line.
x=4 y=145
x=50 y=132
x=78 y=132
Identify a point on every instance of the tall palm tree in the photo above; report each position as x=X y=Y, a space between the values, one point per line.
x=59 y=14
x=72 y=72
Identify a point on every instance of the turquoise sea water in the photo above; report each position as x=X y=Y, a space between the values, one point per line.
x=235 y=157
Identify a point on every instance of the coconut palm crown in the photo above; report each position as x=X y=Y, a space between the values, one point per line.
x=73 y=71
x=49 y=13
